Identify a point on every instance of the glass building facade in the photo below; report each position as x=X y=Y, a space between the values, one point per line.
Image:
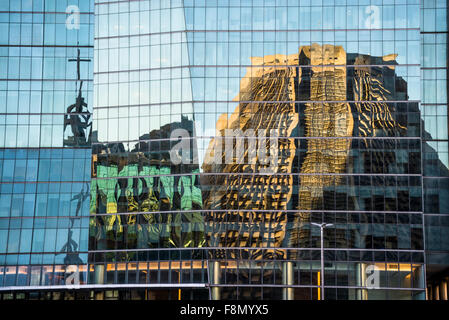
x=435 y=144
x=45 y=130
x=187 y=149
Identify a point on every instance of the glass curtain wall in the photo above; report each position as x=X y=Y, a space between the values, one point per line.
x=46 y=77
x=225 y=128
x=435 y=143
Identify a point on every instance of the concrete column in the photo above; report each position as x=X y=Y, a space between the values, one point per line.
x=99 y=279
x=99 y=274
x=287 y=279
x=443 y=290
x=430 y=290
x=436 y=292
x=362 y=294
x=216 y=274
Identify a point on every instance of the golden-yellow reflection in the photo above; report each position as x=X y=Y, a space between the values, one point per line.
x=267 y=101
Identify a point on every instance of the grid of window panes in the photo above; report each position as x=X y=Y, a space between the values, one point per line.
x=435 y=134
x=142 y=90
x=163 y=65
x=44 y=178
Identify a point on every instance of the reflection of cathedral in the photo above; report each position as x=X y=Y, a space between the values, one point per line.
x=255 y=204
x=327 y=122
x=349 y=94
x=336 y=122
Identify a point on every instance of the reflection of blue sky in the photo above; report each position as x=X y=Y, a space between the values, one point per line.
x=377 y=38
x=224 y=48
x=227 y=84
x=146 y=67
x=311 y=14
x=441 y=147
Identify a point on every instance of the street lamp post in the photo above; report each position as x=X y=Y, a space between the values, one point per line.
x=322 y=226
